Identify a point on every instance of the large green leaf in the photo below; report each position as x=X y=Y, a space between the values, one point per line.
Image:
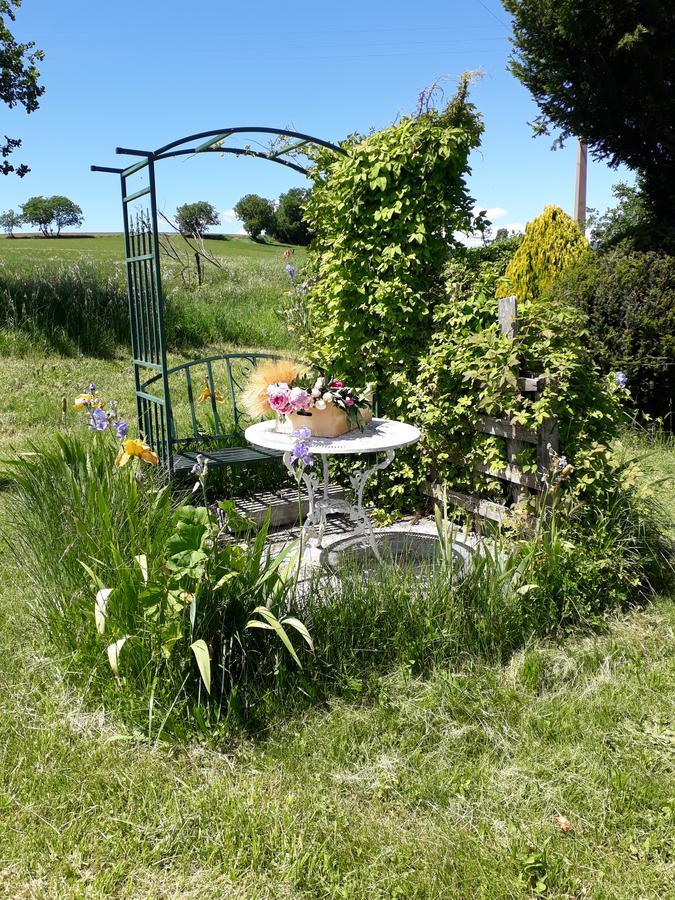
x=271 y=622
x=201 y=652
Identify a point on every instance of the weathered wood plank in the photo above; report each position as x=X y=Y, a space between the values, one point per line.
x=532 y=385
x=486 y=509
x=508 y=316
x=511 y=473
x=504 y=428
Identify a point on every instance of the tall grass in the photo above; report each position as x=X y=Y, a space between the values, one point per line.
x=70 y=506
x=82 y=307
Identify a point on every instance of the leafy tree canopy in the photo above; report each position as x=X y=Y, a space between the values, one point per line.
x=290 y=224
x=604 y=72
x=51 y=214
x=194 y=218
x=18 y=79
x=10 y=220
x=257 y=214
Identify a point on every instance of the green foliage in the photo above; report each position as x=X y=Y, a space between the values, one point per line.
x=630 y=222
x=289 y=218
x=256 y=213
x=51 y=214
x=471 y=369
x=382 y=218
x=132 y=585
x=10 y=220
x=604 y=72
x=19 y=82
x=629 y=300
x=552 y=241
x=193 y=219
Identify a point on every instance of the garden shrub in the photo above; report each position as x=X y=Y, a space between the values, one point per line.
x=382 y=218
x=629 y=300
x=471 y=369
x=552 y=241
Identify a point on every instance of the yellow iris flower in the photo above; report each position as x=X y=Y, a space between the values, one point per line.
x=206 y=394
x=83 y=401
x=133 y=448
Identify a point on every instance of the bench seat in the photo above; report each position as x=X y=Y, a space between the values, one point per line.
x=228 y=456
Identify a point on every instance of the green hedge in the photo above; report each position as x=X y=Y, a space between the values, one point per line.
x=629 y=299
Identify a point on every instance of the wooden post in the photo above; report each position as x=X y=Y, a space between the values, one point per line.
x=508 y=325
x=580 y=192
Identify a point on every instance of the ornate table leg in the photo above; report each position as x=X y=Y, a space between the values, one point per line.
x=312 y=483
x=358 y=513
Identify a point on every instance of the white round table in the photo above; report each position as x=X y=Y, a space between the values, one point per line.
x=379 y=436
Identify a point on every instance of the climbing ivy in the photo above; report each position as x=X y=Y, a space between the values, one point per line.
x=383 y=219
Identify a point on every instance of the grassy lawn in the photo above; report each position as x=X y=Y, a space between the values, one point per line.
x=442 y=787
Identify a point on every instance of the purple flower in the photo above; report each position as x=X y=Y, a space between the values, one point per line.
x=301 y=454
x=621 y=379
x=562 y=462
x=98 y=419
x=292 y=271
x=121 y=430
x=92 y=388
x=303 y=433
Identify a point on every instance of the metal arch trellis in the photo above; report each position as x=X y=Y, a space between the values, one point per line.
x=143 y=270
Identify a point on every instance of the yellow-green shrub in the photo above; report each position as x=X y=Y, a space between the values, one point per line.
x=552 y=241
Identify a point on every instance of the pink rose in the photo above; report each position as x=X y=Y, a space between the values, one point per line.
x=349 y=401
x=279 y=398
x=299 y=398
x=336 y=384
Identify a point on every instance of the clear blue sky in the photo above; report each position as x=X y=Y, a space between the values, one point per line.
x=140 y=73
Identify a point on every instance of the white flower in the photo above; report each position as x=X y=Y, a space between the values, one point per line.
x=328 y=397
x=319 y=383
x=320 y=404
x=316 y=393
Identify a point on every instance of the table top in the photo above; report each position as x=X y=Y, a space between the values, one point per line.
x=377 y=436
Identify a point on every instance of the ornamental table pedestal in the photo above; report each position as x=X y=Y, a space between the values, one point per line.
x=379 y=436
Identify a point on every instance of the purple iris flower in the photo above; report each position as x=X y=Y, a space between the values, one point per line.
x=98 y=419
x=292 y=271
x=562 y=462
x=621 y=379
x=121 y=430
x=301 y=454
x=92 y=388
x=303 y=433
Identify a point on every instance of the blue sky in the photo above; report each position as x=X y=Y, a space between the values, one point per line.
x=140 y=74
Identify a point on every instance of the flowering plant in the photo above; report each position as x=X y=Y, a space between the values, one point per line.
x=102 y=419
x=284 y=387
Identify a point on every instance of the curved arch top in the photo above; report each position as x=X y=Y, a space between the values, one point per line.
x=211 y=142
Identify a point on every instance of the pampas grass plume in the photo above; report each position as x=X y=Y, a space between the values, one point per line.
x=254 y=397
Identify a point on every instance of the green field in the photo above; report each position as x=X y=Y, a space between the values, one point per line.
x=438 y=787
x=68 y=296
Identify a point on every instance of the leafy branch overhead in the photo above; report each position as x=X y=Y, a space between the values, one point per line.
x=19 y=76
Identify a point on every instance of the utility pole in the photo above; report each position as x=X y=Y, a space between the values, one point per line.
x=580 y=193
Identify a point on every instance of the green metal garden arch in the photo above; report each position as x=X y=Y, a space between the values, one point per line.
x=176 y=436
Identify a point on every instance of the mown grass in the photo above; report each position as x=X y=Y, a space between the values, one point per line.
x=442 y=787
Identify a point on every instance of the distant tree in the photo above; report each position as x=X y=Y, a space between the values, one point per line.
x=194 y=218
x=604 y=72
x=51 y=214
x=256 y=213
x=501 y=235
x=290 y=225
x=18 y=79
x=9 y=221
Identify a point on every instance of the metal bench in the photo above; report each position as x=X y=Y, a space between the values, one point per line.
x=200 y=401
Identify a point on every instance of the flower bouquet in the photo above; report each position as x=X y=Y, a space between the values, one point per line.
x=324 y=404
